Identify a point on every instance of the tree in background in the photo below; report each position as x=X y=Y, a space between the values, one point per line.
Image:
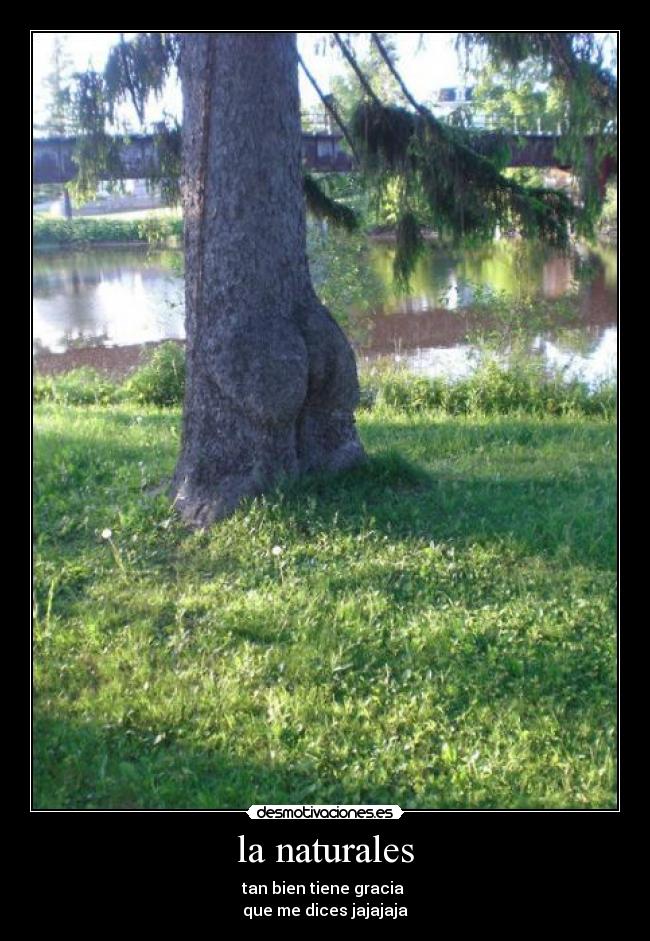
x=345 y=87
x=520 y=99
x=582 y=96
x=59 y=120
x=59 y=112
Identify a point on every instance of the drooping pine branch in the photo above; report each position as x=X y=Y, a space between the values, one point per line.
x=135 y=69
x=573 y=58
x=393 y=70
x=137 y=100
x=464 y=191
x=139 y=67
x=324 y=207
x=96 y=152
x=349 y=55
x=589 y=92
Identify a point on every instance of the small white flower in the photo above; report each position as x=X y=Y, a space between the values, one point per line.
x=277 y=550
x=106 y=533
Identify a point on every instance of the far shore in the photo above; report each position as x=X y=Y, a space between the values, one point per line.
x=115 y=361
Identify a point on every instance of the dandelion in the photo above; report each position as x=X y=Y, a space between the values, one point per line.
x=276 y=552
x=107 y=534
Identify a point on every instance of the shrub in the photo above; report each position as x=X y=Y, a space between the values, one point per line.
x=492 y=389
x=161 y=381
x=84 y=386
x=156 y=230
x=151 y=229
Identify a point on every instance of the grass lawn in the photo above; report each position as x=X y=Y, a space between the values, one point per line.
x=438 y=629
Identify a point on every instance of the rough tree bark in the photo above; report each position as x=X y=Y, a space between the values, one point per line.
x=271 y=378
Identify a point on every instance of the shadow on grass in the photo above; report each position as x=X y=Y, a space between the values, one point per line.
x=84 y=765
x=544 y=510
x=571 y=514
x=547 y=510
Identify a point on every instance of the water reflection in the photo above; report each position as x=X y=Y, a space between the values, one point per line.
x=459 y=303
x=132 y=296
x=111 y=298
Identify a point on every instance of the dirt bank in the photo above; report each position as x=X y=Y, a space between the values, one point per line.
x=114 y=361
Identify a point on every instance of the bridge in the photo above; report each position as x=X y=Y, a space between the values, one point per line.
x=52 y=157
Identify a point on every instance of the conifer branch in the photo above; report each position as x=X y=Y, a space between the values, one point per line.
x=333 y=110
x=355 y=67
x=398 y=78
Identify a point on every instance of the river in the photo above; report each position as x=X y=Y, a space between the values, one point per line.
x=561 y=307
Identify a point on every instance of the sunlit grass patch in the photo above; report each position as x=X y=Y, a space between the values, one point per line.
x=437 y=628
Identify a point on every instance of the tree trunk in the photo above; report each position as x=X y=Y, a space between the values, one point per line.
x=271 y=379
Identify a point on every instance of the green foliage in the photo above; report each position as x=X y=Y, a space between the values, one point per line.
x=580 y=89
x=493 y=389
x=345 y=86
x=342 y=274
x=168 y=144
x=138 y=68
x=157 y=230
x=84 y=386
x=438 y=630
x=96 y=153
x=504 y=321
x=609 y=220
x=154 y=230
x=60 y=118
x=409 y=245
x=161 y=381
x=466 y=194
x=134 y=70
x=444 y=181
x=323 y=206
x=521 y=98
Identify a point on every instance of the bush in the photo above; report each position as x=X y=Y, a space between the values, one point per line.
x=84 y=386
x=492 y=389
x=156 y=230
x=161 y=381
x=151 y=230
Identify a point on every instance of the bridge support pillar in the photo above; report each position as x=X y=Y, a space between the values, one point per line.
x=66 y=204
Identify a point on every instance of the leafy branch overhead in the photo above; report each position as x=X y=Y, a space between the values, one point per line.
x=442 y=177
x=465 y=192
x=587 y=90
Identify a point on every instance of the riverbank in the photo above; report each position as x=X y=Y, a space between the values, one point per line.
x=436 y=628
x=158 y=378
x=114 y=362
x=148 y=229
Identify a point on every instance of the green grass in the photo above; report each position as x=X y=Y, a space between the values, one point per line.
x=439 y=629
